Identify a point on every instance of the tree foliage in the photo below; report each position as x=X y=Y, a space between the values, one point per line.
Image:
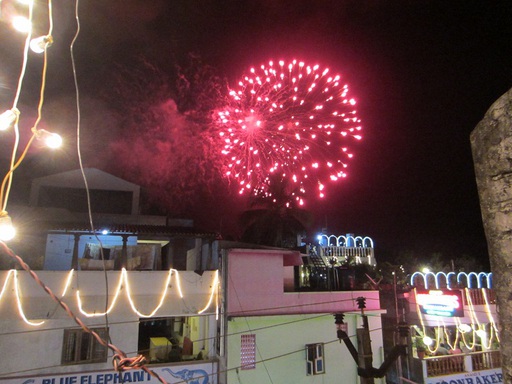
x=274 y=217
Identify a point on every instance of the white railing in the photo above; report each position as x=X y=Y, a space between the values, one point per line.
x=358 y=255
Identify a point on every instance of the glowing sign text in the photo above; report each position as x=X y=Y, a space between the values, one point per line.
x=441 y=303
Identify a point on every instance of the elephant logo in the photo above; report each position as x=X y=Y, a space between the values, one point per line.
x=194 y=376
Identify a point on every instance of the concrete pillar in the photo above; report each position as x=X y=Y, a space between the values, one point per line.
x=74 y=258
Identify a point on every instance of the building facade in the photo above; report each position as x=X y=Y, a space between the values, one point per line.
x=147 y=285
x=454 y=336
x=277 y=331
x=198 y=309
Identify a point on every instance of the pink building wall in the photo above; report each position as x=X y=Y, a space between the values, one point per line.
x=255 y=286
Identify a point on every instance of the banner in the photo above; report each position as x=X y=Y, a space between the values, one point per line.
x=205 y=373
x=490 y=376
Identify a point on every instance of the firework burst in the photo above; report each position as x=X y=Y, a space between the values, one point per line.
x=289 y=119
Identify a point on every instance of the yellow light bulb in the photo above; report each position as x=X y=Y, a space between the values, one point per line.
x=7 y=231
x=39 y=44
x=51 y=140
x=481 y=333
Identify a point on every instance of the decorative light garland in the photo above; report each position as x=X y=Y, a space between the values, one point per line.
x=11 y=117
x=447 y=337
x=14 y=273
x=477 y=329
x=489 y=314
x=214 y=286
x=460 y=326
x=123 y=282
x=423 y=329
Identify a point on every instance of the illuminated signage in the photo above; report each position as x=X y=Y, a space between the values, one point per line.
x=446 y=303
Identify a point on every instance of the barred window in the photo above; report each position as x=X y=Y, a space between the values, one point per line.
x=248 y=351
x=315 y=359
x=81 y=347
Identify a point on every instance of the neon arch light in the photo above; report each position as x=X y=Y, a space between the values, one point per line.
x=470 y=278
x=477 y=277
x=341 y=241
x=433 y=275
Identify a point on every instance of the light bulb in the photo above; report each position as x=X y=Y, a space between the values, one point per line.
x=39 y=44
x=428 y=340
x=464 y=328
x=21 y=24
x=7 y=231
x=8 y=118
x=481 y=333
x=52 y=140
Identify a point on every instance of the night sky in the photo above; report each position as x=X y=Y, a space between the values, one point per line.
x=423 y=72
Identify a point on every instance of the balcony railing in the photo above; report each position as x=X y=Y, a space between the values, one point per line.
x=453 y=364
x=444 y=365
x=477 y=296
x=358 y=255
x=486 y=360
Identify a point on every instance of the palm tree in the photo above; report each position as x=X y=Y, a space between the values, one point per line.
x=275 y=217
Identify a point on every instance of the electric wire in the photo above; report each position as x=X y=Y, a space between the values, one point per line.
x=308 y=318
x=120 y=362
x=260 y=310
x=80 y=161
x=256 y=329
x=14 y=166
x=264 y=311
x=247 y=323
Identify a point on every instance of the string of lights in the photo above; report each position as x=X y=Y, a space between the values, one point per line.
x=7 y=232
x=120 y=360
x=124 y=282
x=11 y=117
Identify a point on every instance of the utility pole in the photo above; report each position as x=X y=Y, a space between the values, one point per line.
x=395 y=293
x=364 y=343
x=364 y=357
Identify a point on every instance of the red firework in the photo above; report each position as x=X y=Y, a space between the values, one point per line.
x=291 y=120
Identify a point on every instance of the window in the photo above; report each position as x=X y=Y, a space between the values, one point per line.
x=170 y=339
x=248 y=351
x=82 y=347
x=315 y=359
